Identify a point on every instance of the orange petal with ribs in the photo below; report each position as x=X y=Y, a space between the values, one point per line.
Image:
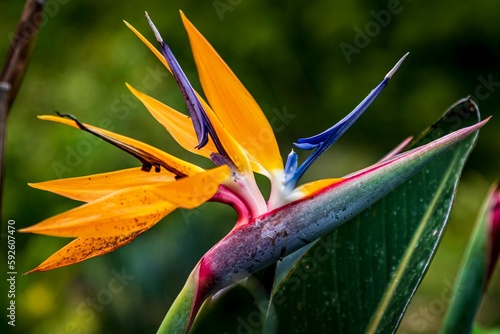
x=82 y=249
x=92 y=187
x=136 y=148
x=176 y=123
x=189 y=140
x=132 y=209
x=232 y=103
x=149 y=45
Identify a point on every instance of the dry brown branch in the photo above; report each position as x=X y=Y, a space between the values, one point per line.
x=15 y=65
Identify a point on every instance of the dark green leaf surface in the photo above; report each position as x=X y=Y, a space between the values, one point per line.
x=472 y=276
x=361 y=277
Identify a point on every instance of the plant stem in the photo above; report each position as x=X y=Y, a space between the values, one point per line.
x=21 y=46
x=15 y=65
x=4 y=107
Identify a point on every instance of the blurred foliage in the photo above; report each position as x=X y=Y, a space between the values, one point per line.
x=289 y=57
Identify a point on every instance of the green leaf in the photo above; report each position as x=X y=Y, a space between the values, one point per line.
x=472 y=276
x=179 y=317
x=479 y=330
x=361 y=277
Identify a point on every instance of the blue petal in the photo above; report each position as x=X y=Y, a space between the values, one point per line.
x=199 y=117
x=305 y=146
x=324 y=140
x=291 y=165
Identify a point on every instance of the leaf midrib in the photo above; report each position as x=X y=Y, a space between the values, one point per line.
x=410 y=250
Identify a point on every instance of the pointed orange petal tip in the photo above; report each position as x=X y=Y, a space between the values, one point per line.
x=177 y=124
x=92 y=187
x=133 y=209
x=148 y=44
x=81 y=249
x=233 y=104
x=313 y=187
x=121 y=213
x=134 y=147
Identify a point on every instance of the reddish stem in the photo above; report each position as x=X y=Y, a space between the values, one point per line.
x=226 y=196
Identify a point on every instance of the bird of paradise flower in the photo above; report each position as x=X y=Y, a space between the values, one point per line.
x=232 y=131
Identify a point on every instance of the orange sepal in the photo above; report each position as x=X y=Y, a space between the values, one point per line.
x=311 y=187
x=92 y=187
x=234 y=106
x=82 y=249
x=149 y=45
x=132 y=209
x=168 y=160
x=177 y=124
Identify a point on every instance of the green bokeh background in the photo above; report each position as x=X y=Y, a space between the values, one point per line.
x=290 y=58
